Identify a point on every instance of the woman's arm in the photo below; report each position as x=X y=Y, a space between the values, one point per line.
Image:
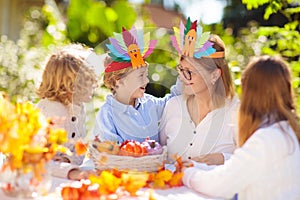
x=245 y=166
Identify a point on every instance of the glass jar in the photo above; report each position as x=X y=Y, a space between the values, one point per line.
x=20 y=184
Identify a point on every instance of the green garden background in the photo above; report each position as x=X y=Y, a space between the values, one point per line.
x=248 y=28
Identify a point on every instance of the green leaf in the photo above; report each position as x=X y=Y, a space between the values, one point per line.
x=126 y=15
x=95 y=15
x=110 y=14
x=76 y=18
x=253 y=4
x=292 y=10
x=291 y=25
x=272 y=8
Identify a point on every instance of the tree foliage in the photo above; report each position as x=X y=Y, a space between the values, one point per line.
x=91 y=21
x=284 y=41
x=274 y=6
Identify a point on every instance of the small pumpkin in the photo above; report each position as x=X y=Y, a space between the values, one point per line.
x=133 y=148
x=153 y=147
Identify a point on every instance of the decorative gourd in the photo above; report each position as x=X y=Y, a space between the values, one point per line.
x=82 y=189
x=153 y=147
x=133 y=148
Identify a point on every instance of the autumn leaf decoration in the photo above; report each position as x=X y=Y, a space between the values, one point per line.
x=133 y=181
x=80 y=148
x=22 y=125
x=112 y=184
x=108 y=183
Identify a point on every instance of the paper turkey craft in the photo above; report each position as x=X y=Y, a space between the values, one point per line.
x=131 y=46
x=190 y=41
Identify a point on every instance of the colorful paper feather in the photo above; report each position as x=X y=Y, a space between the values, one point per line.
x=118 y=48
x=150 y=48
x=131 y=45
x=140 y=36
x=128 y=37
x=187 y=26
x=120 y=40
x=181 y=34
x=175 y=44
x=189 y=40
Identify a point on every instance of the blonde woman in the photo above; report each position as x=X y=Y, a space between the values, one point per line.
x=68 y=82
x=266 y=166
x=201 y=125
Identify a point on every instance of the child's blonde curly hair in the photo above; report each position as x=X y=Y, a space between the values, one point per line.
x=66 y=72
x=110 y=78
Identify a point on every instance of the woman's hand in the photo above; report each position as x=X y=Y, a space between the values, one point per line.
x=186 y=165
x=211 y=159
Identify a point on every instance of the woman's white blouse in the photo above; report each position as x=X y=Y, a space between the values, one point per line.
x=266 y=167
x=216 y=133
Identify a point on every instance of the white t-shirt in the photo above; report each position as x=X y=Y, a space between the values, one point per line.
x=216 y=133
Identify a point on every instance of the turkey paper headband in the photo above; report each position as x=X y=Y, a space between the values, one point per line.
x=129 y=49
x=190 y=41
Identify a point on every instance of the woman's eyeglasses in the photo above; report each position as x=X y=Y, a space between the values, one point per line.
x=186 y=73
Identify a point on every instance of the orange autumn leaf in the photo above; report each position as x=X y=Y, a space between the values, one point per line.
x=159 y=183
x=179 y=164
x=94 y=179
x=133 y=181
x=150 y=180
x=80 y=148
x=161 y=178
x=107 y=181
x=151 y=195
x=151 y=177
x=116 y=173
x=176 y=180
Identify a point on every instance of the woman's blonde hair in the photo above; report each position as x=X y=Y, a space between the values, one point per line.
x=110 y=78
x=66 y=72
x=267 y=96
x=223 y=88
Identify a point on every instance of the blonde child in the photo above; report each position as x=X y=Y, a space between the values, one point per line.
x=68 y=82
x=129 y=113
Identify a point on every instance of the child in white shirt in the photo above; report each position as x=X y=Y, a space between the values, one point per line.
x=68 y=82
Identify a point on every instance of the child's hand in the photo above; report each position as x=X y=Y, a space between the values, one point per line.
x=61 y=159
x=77 y=174
x=211 y=159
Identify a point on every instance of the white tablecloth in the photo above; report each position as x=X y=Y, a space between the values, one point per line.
x=177 y=193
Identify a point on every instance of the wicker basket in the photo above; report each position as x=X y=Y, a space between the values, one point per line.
x=149 y=163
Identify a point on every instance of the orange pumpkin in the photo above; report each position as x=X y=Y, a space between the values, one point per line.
x=133 y=148
x=70 y=193
x=80 y=190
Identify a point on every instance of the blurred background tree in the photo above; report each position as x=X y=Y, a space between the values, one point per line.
x=272 y=28
x=248 y=28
